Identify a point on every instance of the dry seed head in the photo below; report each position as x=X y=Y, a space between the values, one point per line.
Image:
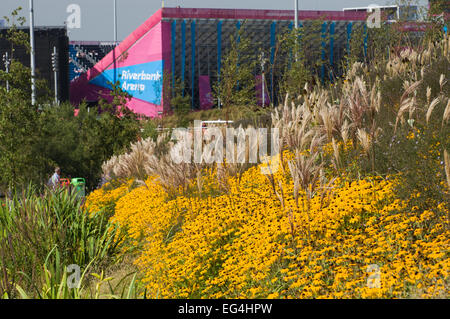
x=447 y=167
x=442 y=81
x=428 y=94
x=405 y=106
x=345 y=131
x=431 y=108
x=364 y=140
x=446 y=115
x=335 y=152
x=295 y=178
x=327 y=120
x=409 y=88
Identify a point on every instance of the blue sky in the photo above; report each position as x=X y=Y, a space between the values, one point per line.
x=97 y=15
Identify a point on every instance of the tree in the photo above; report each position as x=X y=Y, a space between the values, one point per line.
x=20 y=161
x=439 y=6
x=295 y=71
x=33 y=139
x=236 y=85
x=80 y=144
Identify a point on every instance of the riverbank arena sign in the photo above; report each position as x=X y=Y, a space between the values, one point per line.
x=138 y=65
x=142 y=81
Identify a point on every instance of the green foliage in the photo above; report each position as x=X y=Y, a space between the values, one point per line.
x=15 y=36
x=297 y=60
x=296 y=72
x=413 y=150
x=438 y=6
x=236 y=85
x=20 y=159
x=180 y=103
x=80 y=144
x=419 y=144
x=35 y=139
x=149 y=129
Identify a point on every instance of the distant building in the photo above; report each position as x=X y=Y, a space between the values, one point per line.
x=45 y=39
x=189 y=44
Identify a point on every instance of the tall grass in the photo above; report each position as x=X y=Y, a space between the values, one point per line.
x=42 y=234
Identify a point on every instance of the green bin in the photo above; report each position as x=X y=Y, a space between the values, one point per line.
x=78 y=186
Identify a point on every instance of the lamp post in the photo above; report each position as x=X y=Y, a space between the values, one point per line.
x=32 y=54
x=296 y=26
x=263 y=80
x=55 y=62
x=6 y=62
x=115 y=22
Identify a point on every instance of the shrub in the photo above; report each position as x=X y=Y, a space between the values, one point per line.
x=46 y=233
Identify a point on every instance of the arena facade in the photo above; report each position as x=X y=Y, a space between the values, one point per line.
x=189 y=44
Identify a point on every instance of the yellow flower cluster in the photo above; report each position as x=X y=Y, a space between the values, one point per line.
x=352 y=241
x=105 y=196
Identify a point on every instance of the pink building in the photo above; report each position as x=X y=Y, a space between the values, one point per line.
x=189 y=44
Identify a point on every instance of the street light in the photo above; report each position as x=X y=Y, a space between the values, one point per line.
x=263 y=79
x=55 y=62
x=296 y=13
x=6 y=62
x=115 y=22
x=32 y=54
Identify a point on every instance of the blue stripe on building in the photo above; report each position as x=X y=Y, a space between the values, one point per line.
x=324 y=31
x=193 y=62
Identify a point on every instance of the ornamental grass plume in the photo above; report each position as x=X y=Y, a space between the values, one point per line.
x=406 y=61
x=447 y=167
x=240 y=154
x=293 y=124
x=446 y=115
x=431 y=108
x=328 y=116
x=336 y=160
x=305 y=170
x=174 y=177
x=345 y=131
x=442 y=82
x=357 y=101
x=131 y=164
x=364 y=140
x=407 y=104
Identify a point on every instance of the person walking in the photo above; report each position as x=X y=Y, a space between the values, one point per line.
x=54 y=180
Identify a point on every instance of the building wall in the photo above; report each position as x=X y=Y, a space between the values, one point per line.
x=198 y=46
x=138 y=64
x=45 y=39
x=190 y=43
